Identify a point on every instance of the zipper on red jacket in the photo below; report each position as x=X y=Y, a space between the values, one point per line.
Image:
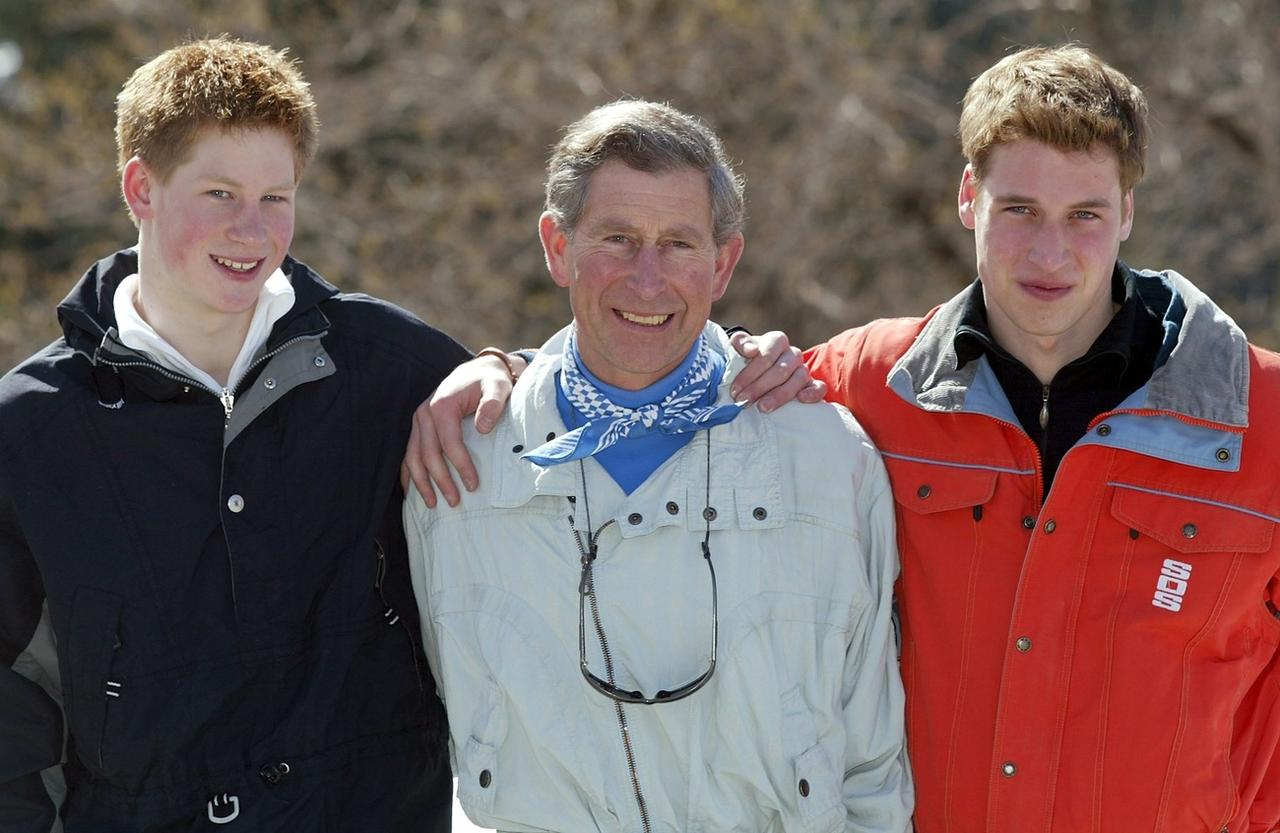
x=1183 y=418
x=1040 y=496
x=1044 y=429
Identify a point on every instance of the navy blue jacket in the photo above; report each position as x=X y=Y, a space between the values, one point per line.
x=236 y=636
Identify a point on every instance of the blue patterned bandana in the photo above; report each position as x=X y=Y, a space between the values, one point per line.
x=607 y=423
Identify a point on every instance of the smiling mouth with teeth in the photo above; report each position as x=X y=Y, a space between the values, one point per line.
x=236 y=265
x=646 y=320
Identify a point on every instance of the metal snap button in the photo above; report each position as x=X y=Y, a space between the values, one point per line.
x=269 y=383
x=320 y=362
x=486 y=778
x=923 y=492
x=1023 y=644
x=517 y=448
x=759 y=513
x=235 y=503
x=1008 y=769
x=804 y=788
x=673 y=508
x=1049 y=526
x=1223 y=455
x=709 y=514
x=1189 y=530
x=1104 y=430
x=551 y=435
x=634 y=518
x=1028 y=522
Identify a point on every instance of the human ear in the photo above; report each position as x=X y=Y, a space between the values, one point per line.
x=1126 y=216
x=728 y=254
x=555 y=246
x=966 y=200
x=135 y=183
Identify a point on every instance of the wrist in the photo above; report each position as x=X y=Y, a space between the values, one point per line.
x=505 y=359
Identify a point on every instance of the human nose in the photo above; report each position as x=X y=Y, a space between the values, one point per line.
x=248 y=225
x=646 y=273
x=1049 y=250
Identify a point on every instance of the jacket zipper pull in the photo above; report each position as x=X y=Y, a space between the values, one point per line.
x=228 y=402
x=1044 y=409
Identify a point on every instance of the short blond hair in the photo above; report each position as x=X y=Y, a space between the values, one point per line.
x=219 y=82
x=1064 y=96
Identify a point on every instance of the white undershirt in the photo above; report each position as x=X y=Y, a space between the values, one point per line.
x=275 y=299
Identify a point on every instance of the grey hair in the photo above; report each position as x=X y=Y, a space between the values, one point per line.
x=649 y=137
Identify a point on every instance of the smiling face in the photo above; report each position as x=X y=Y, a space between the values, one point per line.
x=642 y=270
x=213 y=231
x=1048 y=226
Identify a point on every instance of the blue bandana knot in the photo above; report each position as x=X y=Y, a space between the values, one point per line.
x=609 y=423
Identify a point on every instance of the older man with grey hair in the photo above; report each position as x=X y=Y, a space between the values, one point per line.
x=661 y=611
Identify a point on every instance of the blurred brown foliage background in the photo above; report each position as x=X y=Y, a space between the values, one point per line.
x=438 y=115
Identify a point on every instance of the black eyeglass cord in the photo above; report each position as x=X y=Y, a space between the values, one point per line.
x=588 y=550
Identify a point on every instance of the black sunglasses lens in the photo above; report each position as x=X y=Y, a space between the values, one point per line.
x=587 y=594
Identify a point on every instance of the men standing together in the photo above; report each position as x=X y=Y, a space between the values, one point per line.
x=1086 y=494
x=659 y=610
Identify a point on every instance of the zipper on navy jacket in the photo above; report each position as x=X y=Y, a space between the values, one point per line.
x=227 y=395
x=389 y=613
x=227 y=398
x=113 y=689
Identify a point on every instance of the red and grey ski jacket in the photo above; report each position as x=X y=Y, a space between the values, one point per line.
x=1102 y=657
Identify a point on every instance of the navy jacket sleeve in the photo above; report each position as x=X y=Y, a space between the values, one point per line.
x=31 y=726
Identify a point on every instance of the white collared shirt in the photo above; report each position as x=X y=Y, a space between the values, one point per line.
x=275 y=299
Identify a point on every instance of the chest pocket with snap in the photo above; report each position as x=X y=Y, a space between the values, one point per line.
x=928 y=488
x=1190 y=524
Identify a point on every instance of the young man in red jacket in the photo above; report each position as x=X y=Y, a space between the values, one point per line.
x=1087 y=501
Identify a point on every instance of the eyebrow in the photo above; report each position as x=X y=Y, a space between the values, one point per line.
x=607 y=223
x=224 y=180
x=1100 y=202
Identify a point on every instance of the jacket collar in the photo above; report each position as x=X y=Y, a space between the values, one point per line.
x=1202 y=371
x=1130 y=339
x=88 y=321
